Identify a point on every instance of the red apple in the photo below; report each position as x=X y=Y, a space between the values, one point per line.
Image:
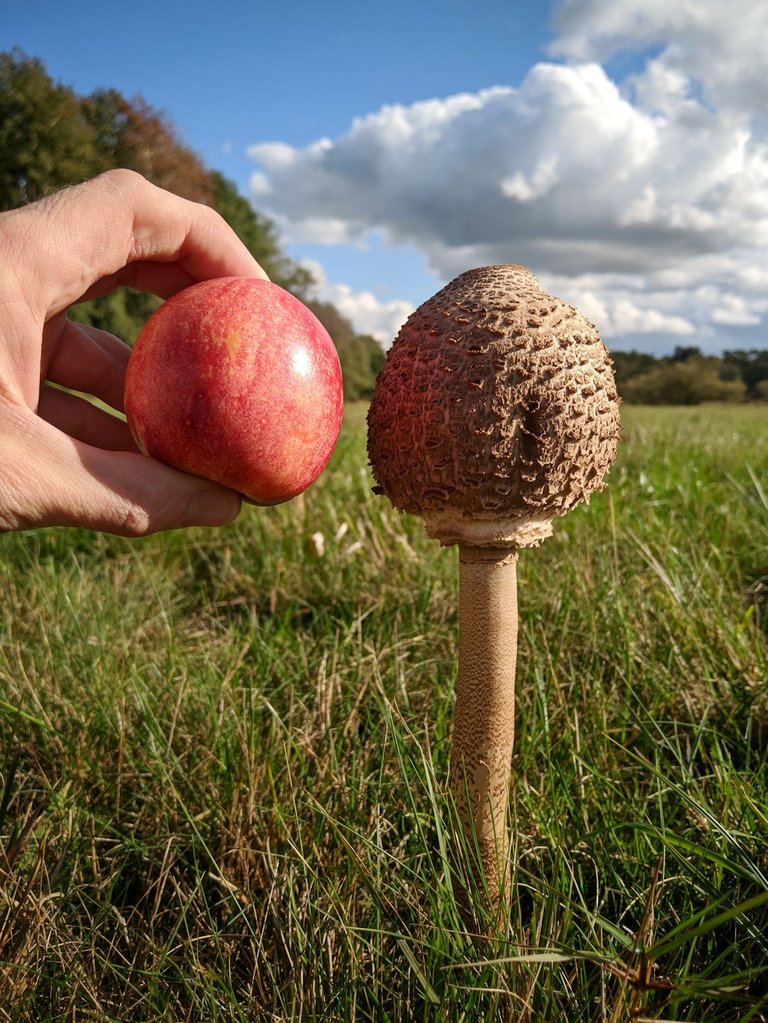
x=236 y=380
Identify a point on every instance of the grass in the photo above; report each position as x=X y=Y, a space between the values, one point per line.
x=222 y=758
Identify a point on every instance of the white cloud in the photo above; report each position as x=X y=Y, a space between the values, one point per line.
x=320 y=231
x=734 y=313
x=622 y=314
x=368 y=313
x=538 y=183
x=649 y=186
x=727 y=308
x=719 y=45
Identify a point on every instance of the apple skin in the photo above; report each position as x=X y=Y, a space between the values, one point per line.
x=235 y=380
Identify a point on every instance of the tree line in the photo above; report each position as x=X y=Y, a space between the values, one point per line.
x=51 y=137
x=688 y=377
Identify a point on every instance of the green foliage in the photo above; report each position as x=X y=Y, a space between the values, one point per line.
x=361 y=359
x=689 y=378
x=752 y=366
x=222 y=786
x=630 y=364
x=132 y=134
x=688 y=382
x=45 y=141
x=122 y=312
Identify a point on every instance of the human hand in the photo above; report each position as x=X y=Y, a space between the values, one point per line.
x=63 y=461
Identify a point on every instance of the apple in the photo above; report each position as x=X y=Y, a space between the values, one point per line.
x=234 y=379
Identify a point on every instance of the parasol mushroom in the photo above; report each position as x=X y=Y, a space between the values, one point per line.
x=495 y=412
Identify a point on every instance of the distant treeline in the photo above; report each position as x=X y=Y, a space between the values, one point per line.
x=687 y=377
x=51 y=137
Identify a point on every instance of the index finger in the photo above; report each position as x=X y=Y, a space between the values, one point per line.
x=92 y=231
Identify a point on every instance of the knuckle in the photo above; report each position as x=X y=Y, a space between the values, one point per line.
x=134 y=521
x=122 y=179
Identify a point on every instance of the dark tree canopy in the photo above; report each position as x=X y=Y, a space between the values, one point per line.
x=130 y=133
x=46 y=141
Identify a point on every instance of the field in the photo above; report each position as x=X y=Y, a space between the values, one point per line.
x=222 y=758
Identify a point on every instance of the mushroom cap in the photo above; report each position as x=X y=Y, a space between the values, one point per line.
x=495 y=411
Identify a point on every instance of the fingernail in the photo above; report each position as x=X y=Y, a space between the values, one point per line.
x=212 y=508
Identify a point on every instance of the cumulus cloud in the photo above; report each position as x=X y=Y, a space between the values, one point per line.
x=720 y=46
x=621 y=313
x=655 y=187
x=368 y=313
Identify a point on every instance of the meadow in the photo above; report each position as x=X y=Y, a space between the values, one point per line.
x=223 y=754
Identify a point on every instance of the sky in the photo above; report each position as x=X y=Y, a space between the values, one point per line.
x=619 y=148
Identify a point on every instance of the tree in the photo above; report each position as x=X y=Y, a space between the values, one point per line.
x=122 y=312
x=131 y=133
x=627 y=365
x=362 y=359
x=690 y=381
x=106 y=112
x=752 y=367
x=683 y=353
x=45 y=141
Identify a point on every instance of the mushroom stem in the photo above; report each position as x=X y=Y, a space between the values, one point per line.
x=484 y=717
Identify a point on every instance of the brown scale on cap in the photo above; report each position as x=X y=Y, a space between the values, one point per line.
x=495 y=412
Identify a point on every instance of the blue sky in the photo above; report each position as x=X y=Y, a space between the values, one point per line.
x=618 y=147
x=231 y=74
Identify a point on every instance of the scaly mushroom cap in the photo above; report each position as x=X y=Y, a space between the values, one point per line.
x=495 y=411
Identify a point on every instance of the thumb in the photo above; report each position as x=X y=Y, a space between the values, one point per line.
x=58 y=481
